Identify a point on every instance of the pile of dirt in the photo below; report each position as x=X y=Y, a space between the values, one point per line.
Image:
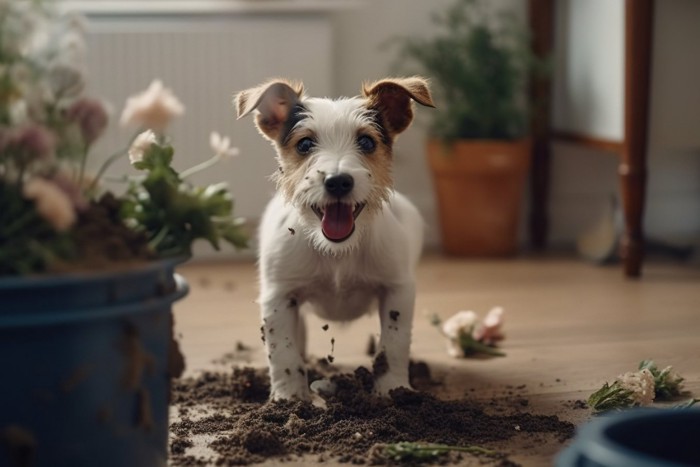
x=243 y=428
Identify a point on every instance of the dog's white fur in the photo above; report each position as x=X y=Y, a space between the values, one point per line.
x=298 y=263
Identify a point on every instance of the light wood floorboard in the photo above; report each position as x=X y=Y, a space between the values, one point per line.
x=570 y=326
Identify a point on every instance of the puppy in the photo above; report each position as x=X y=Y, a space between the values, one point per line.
x=336 y=235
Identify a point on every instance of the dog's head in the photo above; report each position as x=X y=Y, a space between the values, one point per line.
x=335 y=156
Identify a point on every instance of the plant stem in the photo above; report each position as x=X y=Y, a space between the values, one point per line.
x=199 y=167
x=471 y=345
x=109 y=161
x=83 y=163
x=155 y=241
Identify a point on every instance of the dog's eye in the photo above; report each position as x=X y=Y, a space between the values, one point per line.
x=366 y=144
x=305 y=145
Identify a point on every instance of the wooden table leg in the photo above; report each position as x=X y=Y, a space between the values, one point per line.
x=541 y=18
x=633 y=168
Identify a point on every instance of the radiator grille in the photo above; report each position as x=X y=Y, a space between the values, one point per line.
x=205 y=60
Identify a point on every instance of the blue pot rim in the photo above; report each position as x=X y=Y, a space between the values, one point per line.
x=99 y=313
x=593 y=442
x=86 y=278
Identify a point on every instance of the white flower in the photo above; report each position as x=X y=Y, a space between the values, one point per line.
x=51 y=203
x=640 y=384
x=222 y=146
x=489 y=331
x=17 y=111
x=460 y=322
x=454 y=349
x=140 y=145
x=153 y=108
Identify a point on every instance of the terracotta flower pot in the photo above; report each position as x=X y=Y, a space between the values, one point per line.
x=479 y=186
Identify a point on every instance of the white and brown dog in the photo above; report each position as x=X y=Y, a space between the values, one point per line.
x=336 y=235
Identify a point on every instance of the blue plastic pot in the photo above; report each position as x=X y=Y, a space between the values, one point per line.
x=637 y=438
x=84 y=362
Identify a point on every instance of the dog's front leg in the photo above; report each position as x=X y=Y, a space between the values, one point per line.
x=396 y=318
x=280 y=329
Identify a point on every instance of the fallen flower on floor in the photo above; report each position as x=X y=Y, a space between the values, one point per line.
x=467 y=336
x=489 y=330
x=639 y=388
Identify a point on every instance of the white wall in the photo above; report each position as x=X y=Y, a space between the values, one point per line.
x=582 y=180
x=588 y=84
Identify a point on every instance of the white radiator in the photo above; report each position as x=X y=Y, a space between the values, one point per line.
x=205 y=60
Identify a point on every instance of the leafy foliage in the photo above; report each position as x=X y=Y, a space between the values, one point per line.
x=666 y=383
x=53 y=215
x=479 y=65
x=174 y=213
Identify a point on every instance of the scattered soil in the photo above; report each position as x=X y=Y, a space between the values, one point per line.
x=242 y=428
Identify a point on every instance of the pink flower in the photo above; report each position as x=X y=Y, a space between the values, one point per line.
x=489 y=330
x=31 y=142
x=90 y=116
x=51 y=203
x=154 y=108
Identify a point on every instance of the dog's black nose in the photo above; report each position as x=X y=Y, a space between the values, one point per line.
x=339 y=185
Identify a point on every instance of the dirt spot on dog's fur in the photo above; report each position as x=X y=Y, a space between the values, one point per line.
x=242 y=428
x=380 y=365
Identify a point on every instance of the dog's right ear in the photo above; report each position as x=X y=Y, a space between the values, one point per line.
x=273 y=100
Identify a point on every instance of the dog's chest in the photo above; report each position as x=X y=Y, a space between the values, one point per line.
x=342 y=292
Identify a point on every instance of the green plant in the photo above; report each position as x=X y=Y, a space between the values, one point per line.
x=407 y=452
x=54 y=215
x=479 y=65
x=640 y=388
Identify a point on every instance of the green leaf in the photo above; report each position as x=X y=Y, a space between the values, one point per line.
x=424 y=452
x=610 y=397
x=667 y=384
x=471 y=346
x=235 y=236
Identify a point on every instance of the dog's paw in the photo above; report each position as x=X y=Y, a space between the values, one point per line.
x=324 y=388
x=290 y=391
x=386 y=383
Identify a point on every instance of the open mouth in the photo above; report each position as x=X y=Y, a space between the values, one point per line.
x=338 y=219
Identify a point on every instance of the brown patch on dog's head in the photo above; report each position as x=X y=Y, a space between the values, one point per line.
x=379 y=169
x=274 y=101
x=392 y=99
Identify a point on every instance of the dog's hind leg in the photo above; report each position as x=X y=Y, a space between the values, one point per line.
x=285 y=348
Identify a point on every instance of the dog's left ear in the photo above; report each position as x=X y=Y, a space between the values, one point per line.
x=392 y=98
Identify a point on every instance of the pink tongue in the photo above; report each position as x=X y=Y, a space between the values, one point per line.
x=337 y=222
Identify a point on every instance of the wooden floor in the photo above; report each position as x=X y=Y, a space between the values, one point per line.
x=570 y=326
